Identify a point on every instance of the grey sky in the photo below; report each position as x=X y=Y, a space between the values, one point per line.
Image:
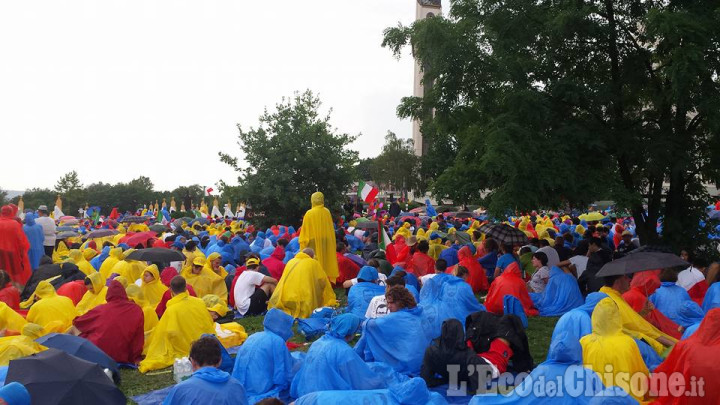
x=84 y=84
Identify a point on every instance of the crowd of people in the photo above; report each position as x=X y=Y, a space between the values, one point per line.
x=431 y=301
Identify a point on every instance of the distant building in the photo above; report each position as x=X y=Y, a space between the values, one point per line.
x=423 y=9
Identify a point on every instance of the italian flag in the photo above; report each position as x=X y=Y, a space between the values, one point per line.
x=366 y=192
x=383 y=238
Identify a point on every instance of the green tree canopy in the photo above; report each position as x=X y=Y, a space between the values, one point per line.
x=547 y=103
x=396 y=167
x=293 y=153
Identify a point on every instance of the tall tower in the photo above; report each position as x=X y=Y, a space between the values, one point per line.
x=423 y=9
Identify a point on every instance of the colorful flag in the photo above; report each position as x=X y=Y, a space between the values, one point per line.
x=209 y=190
x=383 y=239
x=366 y=192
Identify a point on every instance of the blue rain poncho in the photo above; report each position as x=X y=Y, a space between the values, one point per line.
x=689 y=314
x=712 y=298
x=398 y=339
x=669 y=298
x=410 y=279
x=690 y=330
x=363 y=292
x=240 y=248
x=259 y=243
x=513 y=306
x=446 y=296
x=651 y=358
x=412 y=392
x=355 y=243
x=207 y=385
x=564 y=362
x=331 y=364
x=577 y=321
x=613 y=396
x=561 y=294
x=450 y=255
x=98 y=260
x=263 y=364
x=36 y=237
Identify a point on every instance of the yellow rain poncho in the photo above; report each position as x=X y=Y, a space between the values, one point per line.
x=9 y=319
x=76 y=256
x=61 y=252
x=115 y=255
x=317 y=233
x=404 y=230
x=151 y=319
x=607 y=346
x=184 y=321
x=138 y=228
x=89 y=253
x=122 y=280
x=206 y=282
x=154 y=290
x=229 y=334
x=635 y=325
x=421 y=235
x=436 y=247
x=15 y=347
x=51 y=308
x=190 y=257
x=210 y=265
x=94 y=297
x=302 y=288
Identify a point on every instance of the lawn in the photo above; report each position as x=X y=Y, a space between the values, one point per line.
x=133 y=383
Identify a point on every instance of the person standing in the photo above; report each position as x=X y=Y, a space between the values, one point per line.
x=14 y=247
x=48 y=225
x=317 y=233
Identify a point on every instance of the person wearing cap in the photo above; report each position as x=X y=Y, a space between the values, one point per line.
x=625 y=246
x=204 y=280
x=14 y=393
x=253 y=289
x=49 y=229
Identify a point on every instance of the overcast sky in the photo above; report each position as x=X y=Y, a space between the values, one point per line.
x=116 y=89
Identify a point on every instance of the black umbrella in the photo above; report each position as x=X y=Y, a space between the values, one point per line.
x=201 y=221
x=65 y=228
x=134 y=219
x=67 y=234
x=100 y=233
x=651 y=248
x=78 y=347
x=158 y=228
x=640 y=262
x=504 y=233
x=55 y=377
x=367 y=225
x=464 y=214
x=158 y=255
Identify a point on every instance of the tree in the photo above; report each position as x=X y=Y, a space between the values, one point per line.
x=396 y=167
x=68 y=182
x=35 y=197
x=548 y=103
x=363 y=170
x=3 y=197
x=72 y=192
x=293 y=153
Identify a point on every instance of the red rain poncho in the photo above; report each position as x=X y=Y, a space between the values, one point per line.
x=397 y=252
x=421 y=264
x=116 y=327
x=642 y=286
x=73 y=290
x=477 y=279
x=347 y=268
x=274 y=263
x=510 y=282
x=696 y=358
x=11 y=296
x=14 y=247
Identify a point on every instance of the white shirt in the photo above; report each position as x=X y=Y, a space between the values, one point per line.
x=689 y=277
x=427 y=277
x=580 y=263
x=381 y=279
x=552 y=256
x=377 y=308
x=245 y=288
x=48 y=226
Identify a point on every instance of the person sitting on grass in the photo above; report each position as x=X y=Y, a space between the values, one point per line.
x=208 y=384
x=253 y=290
x=364 y=291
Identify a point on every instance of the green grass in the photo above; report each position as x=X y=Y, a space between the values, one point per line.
x=133 y=383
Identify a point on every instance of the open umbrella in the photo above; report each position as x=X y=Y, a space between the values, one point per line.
x=100 y=233
x=67 y=234
x=367 y=225
x=464 y=214
x=72 y=221
x=78 y=347
x=159 y=228
x=65 y=228
x=504 y=233
x=640 y=262
x=56 y=377
x=134 y=219
x=160 y=255
x=415 y=220
x=201 y=221
x=133 y=239
x=592 y=216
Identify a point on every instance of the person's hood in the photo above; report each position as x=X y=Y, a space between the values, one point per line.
x=75 y=255
x=464 y=253
x=30 y=219
x=135 y=294
x=690 y=312
x=317 y=199
x=555 y=271
x=378 y=254
x=646 y=282
x=452 y=336
x=167 y=274
x=565 y=349
x=278 y=253
x=279 y=323
x=211 y=374
x=606 y=319
x=343 y=325
x=368 y=273
x=215 y=304
x=117 y=253
x=32 y=330
x=89 y=253
x=260 y=235
x=411 y=392
x=45 y=290
x=512 y=269
x=152 y=269
x=97 y=280
x=116 y=292
x=6 y=211
x=591 y=301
